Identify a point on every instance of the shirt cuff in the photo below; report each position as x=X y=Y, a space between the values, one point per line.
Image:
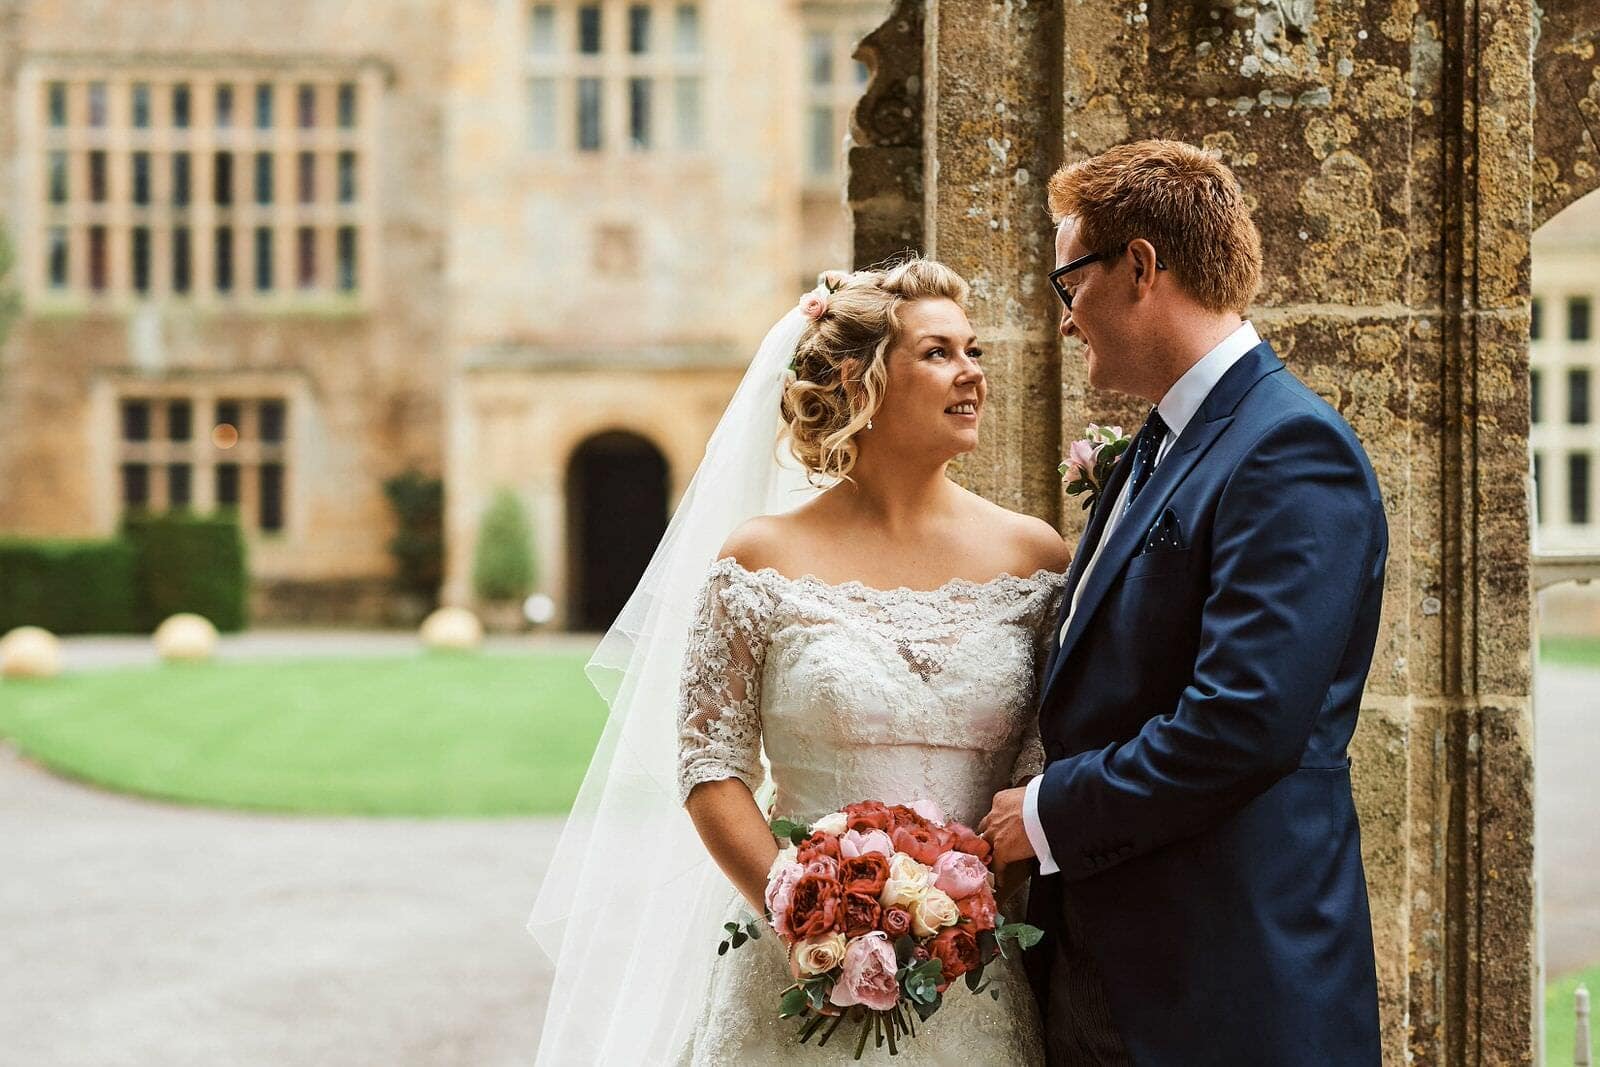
x=1030 y=823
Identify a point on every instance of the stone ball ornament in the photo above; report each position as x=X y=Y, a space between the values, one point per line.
x=30 y=652
x=452 y=628
x=186 y=637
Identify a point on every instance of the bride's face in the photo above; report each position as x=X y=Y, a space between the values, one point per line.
x=935 y=389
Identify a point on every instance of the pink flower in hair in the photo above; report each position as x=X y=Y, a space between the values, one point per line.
x=813 y=305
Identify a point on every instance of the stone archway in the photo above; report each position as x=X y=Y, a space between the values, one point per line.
x=616 y=492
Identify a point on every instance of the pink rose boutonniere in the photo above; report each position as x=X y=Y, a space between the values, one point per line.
x=1089 y=461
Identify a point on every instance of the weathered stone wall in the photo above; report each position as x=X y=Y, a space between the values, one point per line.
x=1388 y=153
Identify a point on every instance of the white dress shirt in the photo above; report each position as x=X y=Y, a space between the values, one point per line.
x=1178 y=408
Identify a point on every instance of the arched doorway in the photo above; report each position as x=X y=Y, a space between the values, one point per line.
x=616 y=513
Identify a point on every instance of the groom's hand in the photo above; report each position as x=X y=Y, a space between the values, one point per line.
x=1003 y=828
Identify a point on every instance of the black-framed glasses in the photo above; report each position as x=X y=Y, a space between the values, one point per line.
x=1078 y=264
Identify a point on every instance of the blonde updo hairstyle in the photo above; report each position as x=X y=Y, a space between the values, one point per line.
x=840 y=362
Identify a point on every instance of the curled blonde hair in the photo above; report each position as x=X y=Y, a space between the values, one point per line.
x=839 y=364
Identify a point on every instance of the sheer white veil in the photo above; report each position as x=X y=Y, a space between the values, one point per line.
x=632 y=905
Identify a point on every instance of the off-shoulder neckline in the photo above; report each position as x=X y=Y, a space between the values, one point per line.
x=1041 y=577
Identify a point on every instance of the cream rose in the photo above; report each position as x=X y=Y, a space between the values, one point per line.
x=933 y=912
x=831 y=824
x=818 y=955
x=908 y=882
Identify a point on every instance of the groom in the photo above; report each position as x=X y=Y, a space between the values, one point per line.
x=1201 y=882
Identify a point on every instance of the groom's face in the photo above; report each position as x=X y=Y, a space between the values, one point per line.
x=1094 y=318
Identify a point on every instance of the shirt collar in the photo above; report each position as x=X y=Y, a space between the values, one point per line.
x=1178 y=407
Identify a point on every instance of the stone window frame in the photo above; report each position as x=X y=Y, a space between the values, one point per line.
x=555 y=73
x=178 y=233
x=836 y=97
x=1553 y=438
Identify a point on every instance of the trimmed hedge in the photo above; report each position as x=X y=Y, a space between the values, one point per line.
x=67 y=586
x=192 y=563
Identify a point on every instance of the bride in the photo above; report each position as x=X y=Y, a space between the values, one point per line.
x=867 y=629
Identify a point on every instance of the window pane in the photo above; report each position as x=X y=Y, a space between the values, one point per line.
x=1578 y=397
x=57 y=96
x=180 y=420
x=136 y=420
x=224 y=260
x=639 y=112
x=271 y=514
x=686 y=29
x=222 y=179
x=58 y=257
x=264 y=106
x=589 y=114
x=135 y=485
x=58 y=177
x=306 y=106
x=1535 y=319
x=687 y=106
x=1578 y=488
x=228 y=414
x=180 y=106
x=1535 y=389
x=589 y=29
x=638 y=29
x=307 y=163
x=263 y=178
x=347 y=258
x=97 y=258
x=819 y=58
x=141 y=106
x=272 y=422
x=542 y=114
x=347 y=106
x=141 y=178
x=1578 y=318
x=140 y=249
x=178 y=478
x=263 y=258
x=347 y=177
x=180 y=259
x=542 y=29
x=97 y=177
x=306 y=257
x=180 y=179
x=227 y=485
x=820 y=157
x=97 y=103
x=224 y=106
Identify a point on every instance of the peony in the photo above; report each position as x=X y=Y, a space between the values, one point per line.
x=922 y=843
x=823 y=866
x=780 y=892
x=815 y=908
x=813 y=306
x=960 y=874
x=900 y=815
x=856 y=842
x=818 y=844
x=933 y=913
x=979 y=909
x=830 y=824
x=861 y=913
x=962 y=839
x=908 y=882
x=957 y=949
x=867 y=874
x=868 y=815
x=929 y=810
x=817 y=955
x=896 y=922
x=868 y=975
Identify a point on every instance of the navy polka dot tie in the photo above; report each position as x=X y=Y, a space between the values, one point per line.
x=1144 y=455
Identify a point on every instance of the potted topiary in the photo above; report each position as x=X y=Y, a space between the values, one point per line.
x=503 y=572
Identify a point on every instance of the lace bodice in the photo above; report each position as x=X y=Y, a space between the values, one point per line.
x=858 y=693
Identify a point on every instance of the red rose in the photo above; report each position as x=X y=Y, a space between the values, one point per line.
x=962 y=839
x=867 y=873
x=957 y=949
x=925 y=844
x=868 y=815
x=860 y=914
x=900 y=816
x=896 y=922
x=820 y=843
x=816 y=907
x=979 y=909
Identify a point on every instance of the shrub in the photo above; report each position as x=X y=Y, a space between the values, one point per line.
x=502 y=568
x=418 y=544
x=67 y=586
x=189 y=562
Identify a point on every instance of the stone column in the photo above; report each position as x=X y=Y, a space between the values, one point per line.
x=1388 y=155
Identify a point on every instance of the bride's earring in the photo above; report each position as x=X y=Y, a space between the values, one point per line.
x=869 y=424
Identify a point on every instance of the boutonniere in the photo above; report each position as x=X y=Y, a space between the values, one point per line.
x=1089 y=461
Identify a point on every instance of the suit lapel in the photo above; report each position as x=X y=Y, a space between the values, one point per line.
x=1203 y=430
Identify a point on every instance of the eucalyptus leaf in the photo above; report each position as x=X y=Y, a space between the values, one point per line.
x=793 y=1003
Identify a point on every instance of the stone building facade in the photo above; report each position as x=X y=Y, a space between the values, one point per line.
x=271 y=255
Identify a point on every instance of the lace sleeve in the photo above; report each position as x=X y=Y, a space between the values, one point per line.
x=1030 y=757
x=719 y=703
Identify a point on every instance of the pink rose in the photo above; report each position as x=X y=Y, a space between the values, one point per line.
x=929 y=810
x=960 y=874
x=823 y=866
x=813 y=305
x=856 y=843
x=1080 y=461
x=867 y=975
x=780 y=893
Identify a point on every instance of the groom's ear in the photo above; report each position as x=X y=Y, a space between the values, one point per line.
x=1143 y=255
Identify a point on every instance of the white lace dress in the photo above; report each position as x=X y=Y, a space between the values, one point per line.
x=862 y=694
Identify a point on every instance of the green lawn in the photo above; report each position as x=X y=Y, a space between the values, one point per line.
x=430 y=734
x=1558 y=1018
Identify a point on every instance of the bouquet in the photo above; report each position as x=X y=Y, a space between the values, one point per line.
x=881 y=908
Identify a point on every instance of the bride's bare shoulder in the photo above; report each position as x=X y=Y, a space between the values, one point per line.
x=764 y=541
x=1033 y=544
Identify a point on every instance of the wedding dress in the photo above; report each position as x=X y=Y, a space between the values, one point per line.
x=856 y=693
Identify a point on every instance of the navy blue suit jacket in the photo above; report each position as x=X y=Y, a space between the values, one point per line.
x=1196 y=793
